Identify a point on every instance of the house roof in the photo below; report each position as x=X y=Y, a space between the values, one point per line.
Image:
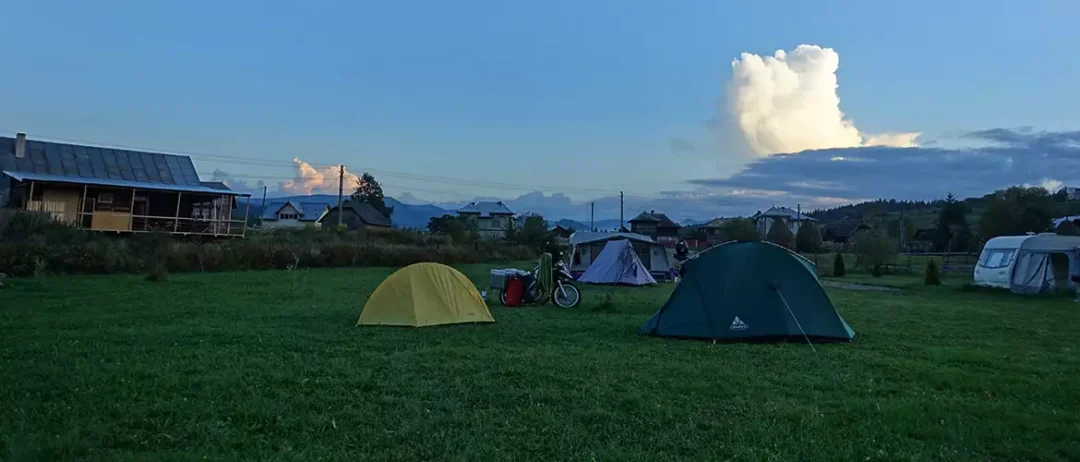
x=585 y=237
x=486 y=209
x=651 y=216
x=144 y=185
x=366 y=212
x=843 y=228
x=309 y=211
x=784 y=212
x=80 y=164
x=716 y=223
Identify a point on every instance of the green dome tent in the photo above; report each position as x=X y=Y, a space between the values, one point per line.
x=749 y=291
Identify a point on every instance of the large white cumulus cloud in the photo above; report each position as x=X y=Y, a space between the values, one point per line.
x=788 y=102
x=310 y=179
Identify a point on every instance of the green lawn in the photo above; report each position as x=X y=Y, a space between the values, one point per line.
x=268 y=366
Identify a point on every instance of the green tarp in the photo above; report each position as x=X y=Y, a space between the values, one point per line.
x=738 y=290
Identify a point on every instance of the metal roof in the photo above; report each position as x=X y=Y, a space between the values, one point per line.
x=23 y=176
x=72 y=163
x=366 y=212
x=486 y=209
x=309 y=211
x=585 y=237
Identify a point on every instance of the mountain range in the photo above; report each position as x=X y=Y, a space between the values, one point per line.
x=413 y=215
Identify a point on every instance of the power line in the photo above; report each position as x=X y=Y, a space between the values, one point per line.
x=249 y=161
x=213 y=157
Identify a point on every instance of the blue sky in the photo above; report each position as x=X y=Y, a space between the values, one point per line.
x=582 y=97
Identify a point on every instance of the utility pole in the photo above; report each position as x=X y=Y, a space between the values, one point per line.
x=340 y=193
x=263 y=208
x=798 y=214
x=592 y=216
x=903 y=232
x=620 y=210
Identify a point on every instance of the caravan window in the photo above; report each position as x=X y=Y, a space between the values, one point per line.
x=996 y=258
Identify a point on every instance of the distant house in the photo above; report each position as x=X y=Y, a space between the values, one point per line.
x=764 y=220
x=842 y=232
x=115 y=190
x=921 y=241
x=714 y=230
x=561 y=233
x=492 y=219
x=1072 y=194
x=356 y=215
x=293 y=214
x=655 y=225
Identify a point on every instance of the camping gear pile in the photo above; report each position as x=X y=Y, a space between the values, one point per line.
x=546 y=281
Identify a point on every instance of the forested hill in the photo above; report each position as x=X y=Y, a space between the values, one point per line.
x=890 y=207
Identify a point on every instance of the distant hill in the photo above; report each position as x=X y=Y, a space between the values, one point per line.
x=405 y=215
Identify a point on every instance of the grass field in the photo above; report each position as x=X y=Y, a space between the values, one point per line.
x=268 y=366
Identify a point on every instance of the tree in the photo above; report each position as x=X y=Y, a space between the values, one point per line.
x=874 y=249
x=838 y=269
x=740 y=229
x=534 y=234
x=808 y=239
x=459 y=229
x=933 y=276
x=952 y=231
x=1067 y=228
x=369 y=191
x=1017 y=210
x=780 y=234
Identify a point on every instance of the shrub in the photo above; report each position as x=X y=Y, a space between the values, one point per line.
x=838 y=269
x=875 y=270
x=780 y=234
x=808 y=239
x=933 y=276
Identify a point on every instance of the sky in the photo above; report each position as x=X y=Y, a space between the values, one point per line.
x=686 y=106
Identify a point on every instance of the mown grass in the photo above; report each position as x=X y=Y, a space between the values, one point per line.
x=268 y=366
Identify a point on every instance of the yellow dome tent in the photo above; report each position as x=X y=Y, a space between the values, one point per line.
x=424 y=294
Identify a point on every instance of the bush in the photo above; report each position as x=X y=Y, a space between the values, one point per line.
x=873 y=250
x=933 y=276
x=875 y=270
x=838 y=269
x=808 y=239
x=157 y=255
x=780 y=234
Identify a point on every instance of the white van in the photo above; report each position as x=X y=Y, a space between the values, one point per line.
x=1022 y=263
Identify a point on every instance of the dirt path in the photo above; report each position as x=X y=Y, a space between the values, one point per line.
x=854 y=286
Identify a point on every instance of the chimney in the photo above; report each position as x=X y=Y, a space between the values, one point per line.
x=20 y=145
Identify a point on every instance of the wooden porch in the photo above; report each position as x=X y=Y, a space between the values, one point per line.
x=134 y=210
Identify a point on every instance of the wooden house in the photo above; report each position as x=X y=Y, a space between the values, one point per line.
x=116 y=190
x=356 y=215
x=655 y=225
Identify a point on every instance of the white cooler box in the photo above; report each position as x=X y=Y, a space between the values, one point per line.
x=499 y=277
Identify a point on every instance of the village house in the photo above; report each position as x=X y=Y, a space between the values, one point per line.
x=356 y=215
x=794 y=219
x=713 y=230
x=492 y=219
x=293 y=214
x=115 y=190
x=655 y=225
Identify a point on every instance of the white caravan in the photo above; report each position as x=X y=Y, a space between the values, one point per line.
x=1022 y=264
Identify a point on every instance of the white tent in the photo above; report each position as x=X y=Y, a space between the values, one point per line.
x=617 y=264
x=585 y=247
x=1023 y=264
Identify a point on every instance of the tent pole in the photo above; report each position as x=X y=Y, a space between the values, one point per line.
x=797 y=323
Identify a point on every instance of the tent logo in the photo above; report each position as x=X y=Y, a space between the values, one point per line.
x=737 y=324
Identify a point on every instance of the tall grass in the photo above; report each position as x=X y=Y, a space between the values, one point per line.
x=32 y=242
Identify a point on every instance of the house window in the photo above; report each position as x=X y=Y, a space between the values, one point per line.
x=288 y=216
